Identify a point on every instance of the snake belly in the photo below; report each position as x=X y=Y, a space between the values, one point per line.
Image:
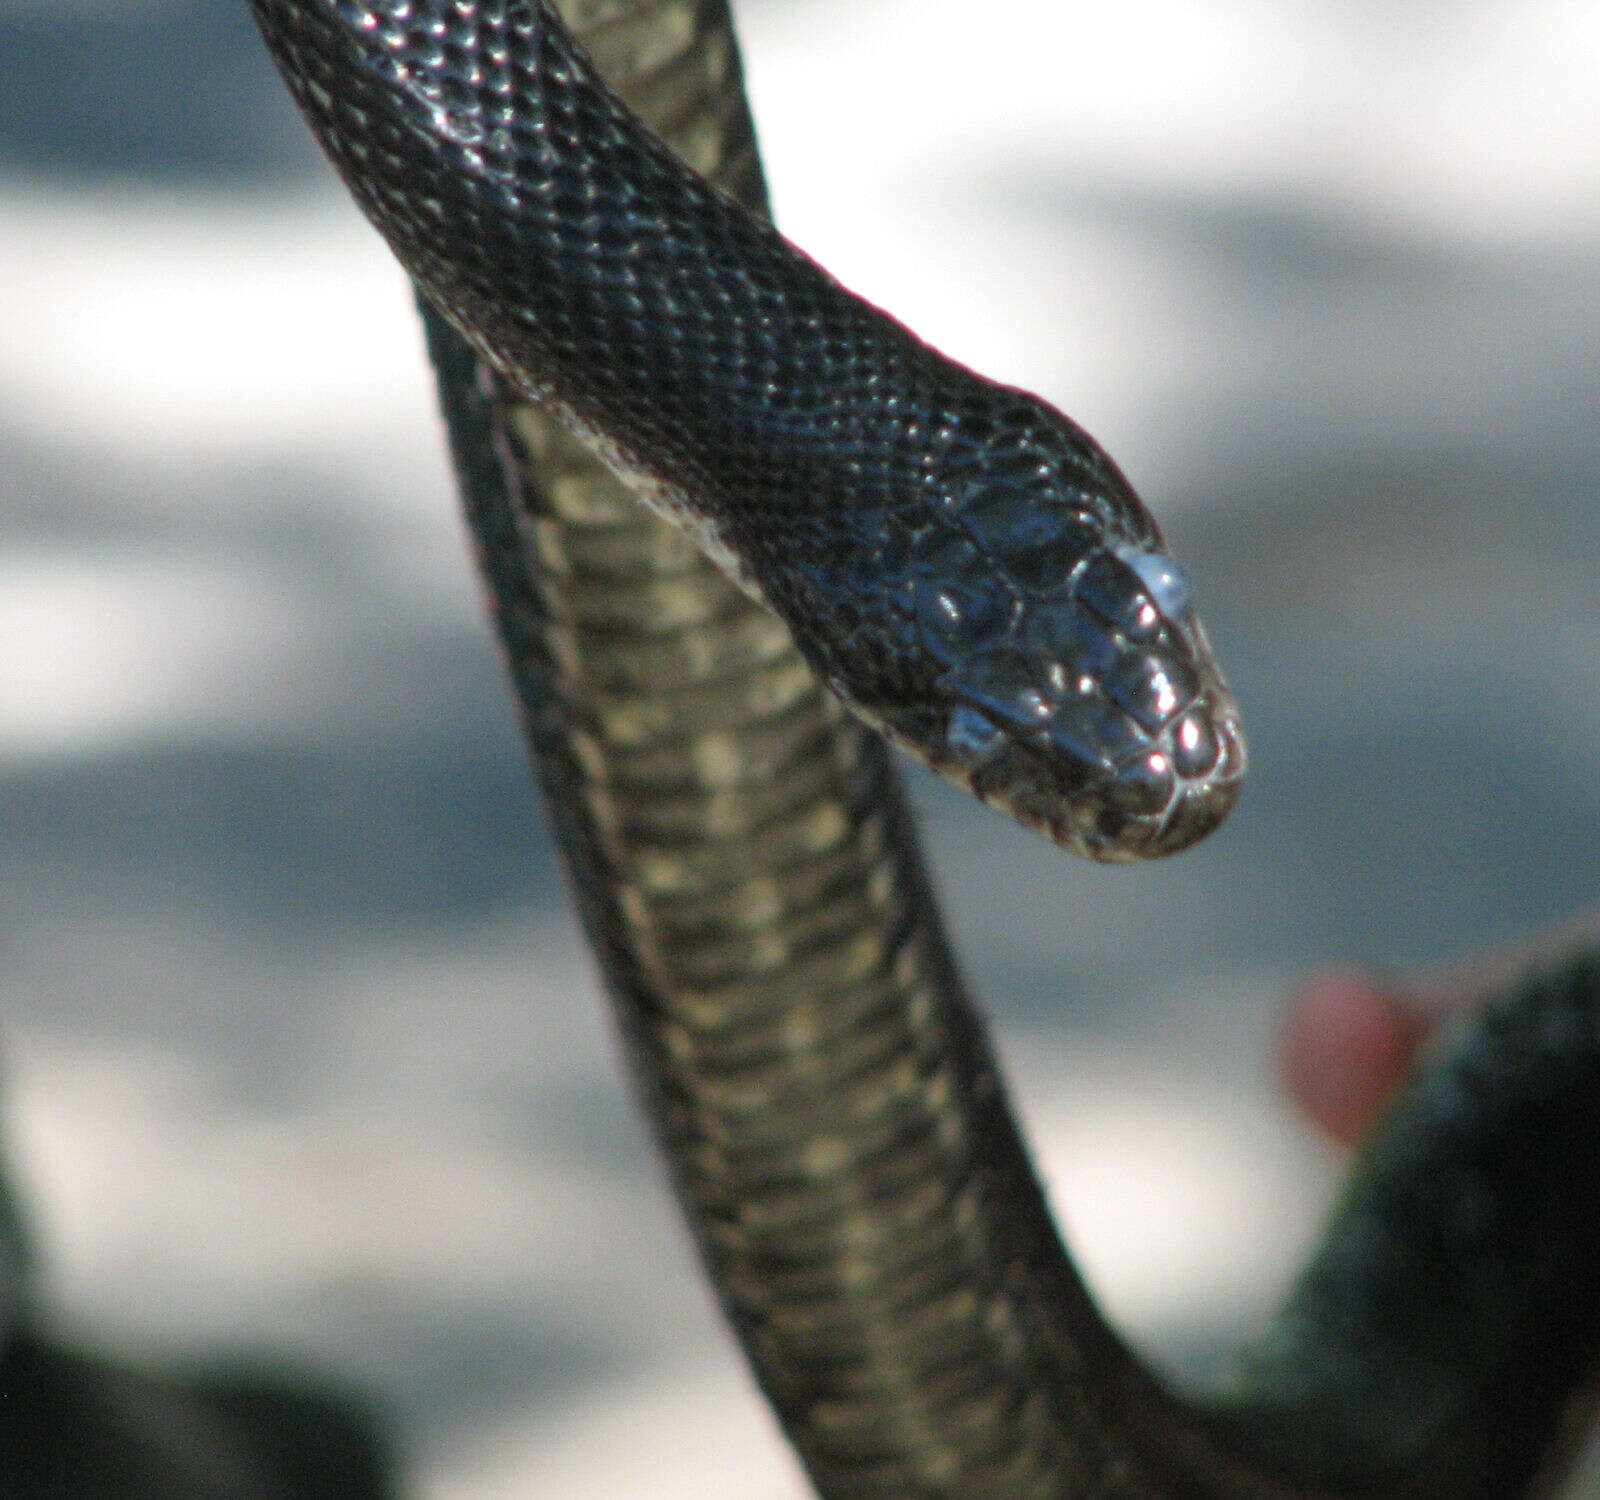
x=748 y=876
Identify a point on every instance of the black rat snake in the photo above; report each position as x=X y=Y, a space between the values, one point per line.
x=966 y=569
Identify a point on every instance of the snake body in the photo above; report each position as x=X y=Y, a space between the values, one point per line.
x=743 y=862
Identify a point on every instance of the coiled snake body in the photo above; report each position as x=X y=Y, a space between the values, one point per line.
x=973 y=576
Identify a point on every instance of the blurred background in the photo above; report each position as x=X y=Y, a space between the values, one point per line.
x=301 y=1053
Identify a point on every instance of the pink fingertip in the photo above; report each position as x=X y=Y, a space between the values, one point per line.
x=1348 y=1042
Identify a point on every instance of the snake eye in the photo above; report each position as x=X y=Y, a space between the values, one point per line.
x=1167 y=580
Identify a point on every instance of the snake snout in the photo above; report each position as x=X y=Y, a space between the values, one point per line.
x=1178 y=791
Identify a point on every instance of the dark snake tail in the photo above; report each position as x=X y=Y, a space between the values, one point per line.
x=747 y=874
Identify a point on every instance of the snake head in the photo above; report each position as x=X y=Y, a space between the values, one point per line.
x=1066 y=678
x=1098 y=716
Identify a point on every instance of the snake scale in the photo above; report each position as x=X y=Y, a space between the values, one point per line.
x=993 y=597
